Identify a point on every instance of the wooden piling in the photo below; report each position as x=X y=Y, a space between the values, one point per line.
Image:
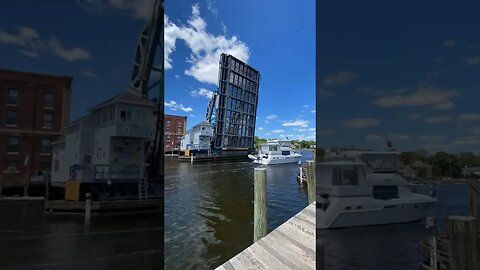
x=311 y=181
x=260 y=204
x=463 y=234
x=88 y=207
x=191 y=158
x=472 y=198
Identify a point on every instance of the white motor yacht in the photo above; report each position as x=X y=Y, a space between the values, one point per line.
x=363 y=188
x=276 y=152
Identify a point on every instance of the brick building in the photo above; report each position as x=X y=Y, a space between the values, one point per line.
x=34 y=108
x=174 y=128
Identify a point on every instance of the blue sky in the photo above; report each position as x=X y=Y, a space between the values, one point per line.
x=92 y=41
x=405 y=71
x=276 y=37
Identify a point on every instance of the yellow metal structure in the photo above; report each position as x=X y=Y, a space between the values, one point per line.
x=72 y=190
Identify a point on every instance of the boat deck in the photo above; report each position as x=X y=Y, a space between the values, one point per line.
x=290 y=246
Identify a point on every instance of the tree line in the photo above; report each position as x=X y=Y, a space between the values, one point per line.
x=299 y=143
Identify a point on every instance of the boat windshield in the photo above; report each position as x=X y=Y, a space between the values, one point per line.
x=381 y=162
x=285 y=143
x=269 y=147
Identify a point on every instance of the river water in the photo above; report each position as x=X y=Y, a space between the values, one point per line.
x=31 y=240
x=391 y=246
x=209 y=208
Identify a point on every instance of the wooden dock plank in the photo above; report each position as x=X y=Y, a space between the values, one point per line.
x=290 y=246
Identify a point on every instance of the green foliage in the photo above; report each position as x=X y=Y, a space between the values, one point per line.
x=443 y=164
x=258 y=141
x=303 y=144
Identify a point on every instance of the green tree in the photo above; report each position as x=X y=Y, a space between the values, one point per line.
x=258 y=141
x=445 y=164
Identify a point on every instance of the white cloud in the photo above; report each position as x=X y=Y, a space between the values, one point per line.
x=29 y=53
x=176 y=76
x=295 y=123
x=206 y=47
x=341 y=78
x=449 y=43
x=359 y=122
x=141 y=9
x=173 y=105
x=441 y=119
x=398 y=137
x=271 y=117
x=305 y=106
x=314 y=110
x=260 y=128
x=327 y=131
x=466 y=142
x=88 y=73
x=425 y=96
x=202 y=92
x=212 y=8
x=469 y=117
x=373 y=138
x=32 y=44
x=474 y=60
x=278 y=131
x=324 y=92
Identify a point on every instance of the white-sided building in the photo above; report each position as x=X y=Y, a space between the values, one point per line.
x=107 y=145
x=198 y=137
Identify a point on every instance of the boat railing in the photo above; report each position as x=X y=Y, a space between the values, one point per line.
x=107 y=172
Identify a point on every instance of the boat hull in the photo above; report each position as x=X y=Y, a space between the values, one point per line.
x=357 y=213
x=271 y=160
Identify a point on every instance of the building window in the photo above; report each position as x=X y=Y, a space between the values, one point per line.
x=179 y=123
x=47 y=120
x=112 y=114
x=168 y=122
x=125 y=114
x=44 y=166
x=12 y=166
x=168 y=138
x=56 y=165
x=179 y=130
x=46 y=146
x=12 y=118
x=12 y=97
x=48 y=100
x=167 y=129
x=13 y=145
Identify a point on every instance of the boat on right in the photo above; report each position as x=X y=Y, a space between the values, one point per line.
x=364 y=188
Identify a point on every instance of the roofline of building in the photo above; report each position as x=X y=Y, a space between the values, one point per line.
x=36 y=74
x=173 y=115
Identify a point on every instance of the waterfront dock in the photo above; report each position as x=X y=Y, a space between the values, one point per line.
x=212 y=157
x=105 y=207
x=290 y=246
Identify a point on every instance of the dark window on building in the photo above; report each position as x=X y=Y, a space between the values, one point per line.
x=48 y=100
x=167 y=129
x=12 y=166
x=179 y=123
x=44 y=166
x=385 y=192
x=47 y=120
x=56 y=165
x=13 y=145
x=123 y=115
x=87 y=159
x=11 y=118
x=45 y=146
x=179 y=130
x=168 y=122
x=12 y=97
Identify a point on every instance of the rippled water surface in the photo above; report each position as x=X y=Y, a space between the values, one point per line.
x=31 y=240
x=209 y=208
